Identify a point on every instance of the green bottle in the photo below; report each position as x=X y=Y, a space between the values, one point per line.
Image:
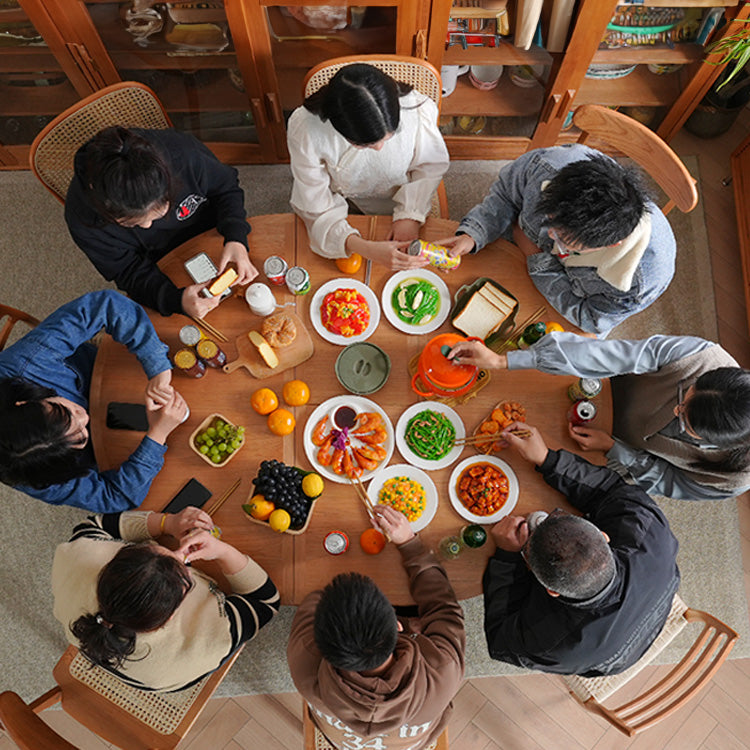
x=473 y=535
x=531 y=334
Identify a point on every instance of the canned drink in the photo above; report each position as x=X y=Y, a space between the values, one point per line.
x=210 y=353
x=581 y=412
x=276 y=268
x=190 y=335
x=187 y=361
x=437 y=255
x=584 y=389
x=336 y=542
x=297 y=280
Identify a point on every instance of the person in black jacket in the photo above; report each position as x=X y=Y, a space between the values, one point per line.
x=577 y=595
x=137 y=194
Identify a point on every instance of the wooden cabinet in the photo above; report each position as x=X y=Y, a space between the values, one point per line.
x=233 y=79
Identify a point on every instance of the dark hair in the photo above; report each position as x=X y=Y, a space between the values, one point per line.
x=355 y=625
x=138 y=590
x=719 y=411
x=570 y=556
x=361 y=102
x=594 y=202
x=124 y=175
x=34 y=448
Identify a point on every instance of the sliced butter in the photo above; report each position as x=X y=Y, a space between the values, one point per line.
x=220 y=284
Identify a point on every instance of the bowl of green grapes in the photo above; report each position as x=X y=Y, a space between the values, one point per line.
x=216 y=440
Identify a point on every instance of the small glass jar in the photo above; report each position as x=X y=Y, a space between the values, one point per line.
x=210 y=353
x=450 y=547
x=188 y=363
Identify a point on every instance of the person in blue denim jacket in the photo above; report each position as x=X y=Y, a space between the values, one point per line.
x=597 y=247
x=45 y=377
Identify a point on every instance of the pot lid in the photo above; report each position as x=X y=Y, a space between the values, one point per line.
x=436 y=369
x=362 y=368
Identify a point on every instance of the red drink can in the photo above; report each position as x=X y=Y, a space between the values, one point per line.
x=581 y=412
x=187 y=361
x=275 y=268
x=210 y=353
x=336 y=542
x=437 y=255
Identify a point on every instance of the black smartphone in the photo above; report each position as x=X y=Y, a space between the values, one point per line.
x=193 y=493
x=121 y=416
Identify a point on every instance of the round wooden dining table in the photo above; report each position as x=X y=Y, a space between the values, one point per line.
x=299 y=563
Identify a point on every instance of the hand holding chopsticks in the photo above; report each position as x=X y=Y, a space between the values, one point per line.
x=486 y=438
x=361 y=493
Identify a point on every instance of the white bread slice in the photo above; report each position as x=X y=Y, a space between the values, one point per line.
x=264 y=349
x=494 y=295
x=220 y=284
x=479 y=317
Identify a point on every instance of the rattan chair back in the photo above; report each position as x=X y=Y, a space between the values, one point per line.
x=696 y=668
x=11 y=317
x=128 y=104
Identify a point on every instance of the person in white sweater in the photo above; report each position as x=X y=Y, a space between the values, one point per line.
x=365 y=143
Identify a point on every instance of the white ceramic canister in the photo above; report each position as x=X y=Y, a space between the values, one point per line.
x=260 y=299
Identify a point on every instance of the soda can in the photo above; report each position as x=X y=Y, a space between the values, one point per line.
x=190 y=335
x=275 y=268
x=297 y=280
x=336 y=542
x=581 y=412
x=187 y=361
x=584 y=389
x=437 y=255
x=210 y=353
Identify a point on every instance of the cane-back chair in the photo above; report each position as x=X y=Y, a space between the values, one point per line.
x=11 y=316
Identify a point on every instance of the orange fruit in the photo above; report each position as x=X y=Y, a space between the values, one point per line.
x=372 y=541
x=552 y=326
x=296 y=392
x=350 y=264
x=281 y=422
x=260 y=508
x=264 y=401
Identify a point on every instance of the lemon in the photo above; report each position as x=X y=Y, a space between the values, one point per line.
x=279 y=520
x=312 y=485
x=260 y=508
x=552 y=326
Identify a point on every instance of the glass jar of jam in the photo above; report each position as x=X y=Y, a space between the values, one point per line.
x=188 y=363
x=210 y=353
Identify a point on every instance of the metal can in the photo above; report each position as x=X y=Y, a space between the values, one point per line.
x=336 y=542
x=275 y=268
x=210 y=352
x=581 y=412
x=187 y=361
x=437 y=255
x=584 y=389
x=297 y=280
x=190 y=335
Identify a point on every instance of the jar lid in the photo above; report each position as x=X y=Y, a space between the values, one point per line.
x=362 y=368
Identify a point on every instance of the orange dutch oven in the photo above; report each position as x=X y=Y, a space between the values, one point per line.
x=442 y=376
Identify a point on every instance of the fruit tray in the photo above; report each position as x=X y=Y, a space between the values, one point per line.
x=202 y=427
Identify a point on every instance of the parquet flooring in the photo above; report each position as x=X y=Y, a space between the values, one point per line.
x=534 y=712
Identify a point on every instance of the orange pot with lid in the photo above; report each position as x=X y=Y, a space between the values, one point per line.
x=438 y=374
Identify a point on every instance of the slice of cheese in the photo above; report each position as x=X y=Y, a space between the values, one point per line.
x=220 y=284
x=264 y=349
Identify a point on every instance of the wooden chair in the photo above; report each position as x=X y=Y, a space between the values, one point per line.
x=128 y=718
x=314 y=739
x=129 y=104
x=419 y=74
x=644 y=147
x=696 y=668
x=13 y=316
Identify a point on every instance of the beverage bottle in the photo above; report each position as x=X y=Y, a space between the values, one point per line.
x=450 y=547
x=473 y=535
x=531 y=334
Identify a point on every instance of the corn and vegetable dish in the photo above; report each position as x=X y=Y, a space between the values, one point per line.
x=405 y=495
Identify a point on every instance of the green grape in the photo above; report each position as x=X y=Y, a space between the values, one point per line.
x=230 y=449
x=219 y=423
x=209 y=442
x=222 y=447
x=211 y=432
x=216 y=459
x=236 y=443
x=203 y=449
x=214 y=451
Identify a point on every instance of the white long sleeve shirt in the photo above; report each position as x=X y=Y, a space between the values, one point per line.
x=400 y=178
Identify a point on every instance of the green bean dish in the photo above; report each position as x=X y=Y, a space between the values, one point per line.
x=415 y=301
x=430 y=434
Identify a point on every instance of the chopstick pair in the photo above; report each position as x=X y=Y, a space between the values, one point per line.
x=490 y=437
x=519 y=329
x=221 y=500
x=215 y=332
x=361 y=493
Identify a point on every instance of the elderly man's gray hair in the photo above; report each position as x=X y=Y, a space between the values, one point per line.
x=570 y=556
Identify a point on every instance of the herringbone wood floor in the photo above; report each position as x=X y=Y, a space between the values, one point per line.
x=534 y=712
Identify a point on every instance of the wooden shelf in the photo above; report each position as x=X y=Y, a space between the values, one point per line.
x=506 y=100
x=505 y=54
x=640 y=88
x=651 y=53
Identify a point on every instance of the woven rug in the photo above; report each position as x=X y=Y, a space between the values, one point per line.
x=42 y=269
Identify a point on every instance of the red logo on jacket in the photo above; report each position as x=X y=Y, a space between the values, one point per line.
x=189 y=206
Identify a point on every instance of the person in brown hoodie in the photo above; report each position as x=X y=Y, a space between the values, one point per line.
x=363 y=675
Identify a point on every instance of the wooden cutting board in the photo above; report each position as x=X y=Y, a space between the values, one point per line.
x=248 y=356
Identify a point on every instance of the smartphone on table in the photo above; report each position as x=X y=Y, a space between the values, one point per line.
x=122 y=416
x=193 y=493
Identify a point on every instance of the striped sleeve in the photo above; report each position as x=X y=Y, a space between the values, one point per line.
x=129 y=526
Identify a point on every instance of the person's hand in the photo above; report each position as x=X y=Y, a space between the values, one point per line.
x=200 y=544
x=510 y=533
x=163 y=418
x=179 y=524
x=386 y=252
x=235 y=253
x=591 y=439
x=393 y=523
x=532 y=448
x=159 y=388
x=404 y=230
x=457 y=244
x=195 y=304
x=476 y=353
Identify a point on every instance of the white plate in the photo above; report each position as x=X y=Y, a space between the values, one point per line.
x=359 y=404
x=415 y=474
x=425 y=275
x=408 y=453
x=332 y=286
x=462 y=510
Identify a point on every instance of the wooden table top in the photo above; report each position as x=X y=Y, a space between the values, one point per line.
x=299 y=564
